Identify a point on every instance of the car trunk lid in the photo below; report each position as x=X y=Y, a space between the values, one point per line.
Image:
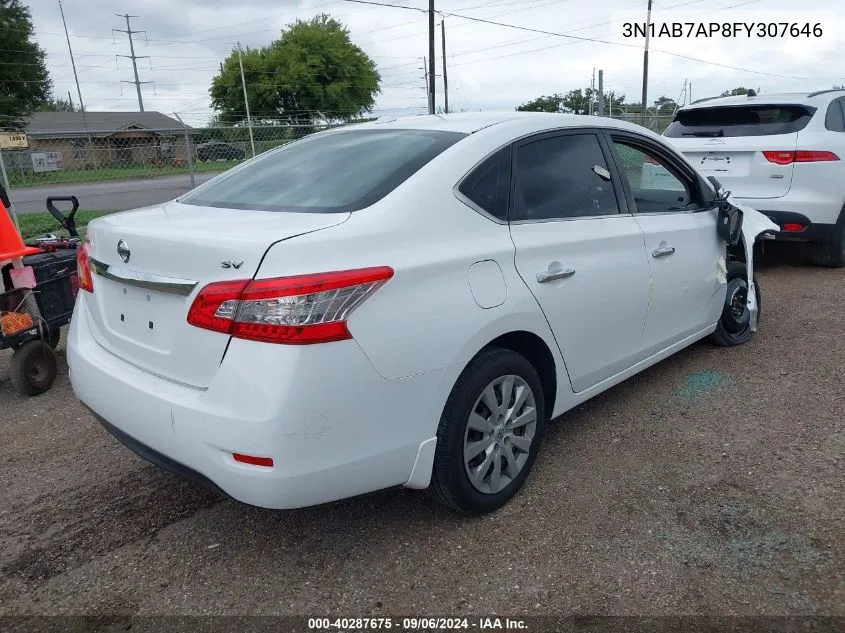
x=149 y=265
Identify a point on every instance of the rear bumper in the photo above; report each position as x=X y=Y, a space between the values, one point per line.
x=332 y=425
x=812 y=231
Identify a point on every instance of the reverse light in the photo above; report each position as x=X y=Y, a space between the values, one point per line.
x=787 y=157
x=83 y=268
x=299 y=310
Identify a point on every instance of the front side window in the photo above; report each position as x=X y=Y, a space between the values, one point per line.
x=335 y=172
x=562 y=177
x=655 y=187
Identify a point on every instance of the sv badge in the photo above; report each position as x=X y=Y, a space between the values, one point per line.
x=229 y=263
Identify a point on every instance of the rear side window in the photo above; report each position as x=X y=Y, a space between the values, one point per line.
x=326 y=173
x=750 y=120
x=488 y=185
x=562 y=177
x=835 y=118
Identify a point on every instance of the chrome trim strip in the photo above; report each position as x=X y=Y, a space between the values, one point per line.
x=171 y=285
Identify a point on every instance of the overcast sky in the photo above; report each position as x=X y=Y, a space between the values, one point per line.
x=490 y=67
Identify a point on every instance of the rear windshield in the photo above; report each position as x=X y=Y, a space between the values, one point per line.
x=326 y=173
x=750 y=120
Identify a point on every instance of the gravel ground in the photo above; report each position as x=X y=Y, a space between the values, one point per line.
x=711 y=483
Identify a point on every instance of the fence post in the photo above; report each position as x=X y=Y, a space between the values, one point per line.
x=189 y=150
x=9 y=192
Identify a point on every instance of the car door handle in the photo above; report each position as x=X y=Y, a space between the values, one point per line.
x=551 y=275
x=663 y=251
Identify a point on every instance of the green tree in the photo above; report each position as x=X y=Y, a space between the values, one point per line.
x=736 y=92
x=57 y=105
x=312 y=72
x=665 y=105
x=574 y=102
x=24 y=80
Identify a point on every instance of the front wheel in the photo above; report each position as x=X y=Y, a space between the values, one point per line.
x=489 y=433
x=734 y=326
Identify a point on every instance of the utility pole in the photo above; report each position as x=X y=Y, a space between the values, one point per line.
x=133 y=57
x=246 y=101
x=445 y=79
x=431 y=56
x=645 y=62
x=592 y=91
x=78 y=91
x=601 y=93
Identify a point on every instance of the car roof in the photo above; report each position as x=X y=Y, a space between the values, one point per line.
x=471 y=122
x=798 y=98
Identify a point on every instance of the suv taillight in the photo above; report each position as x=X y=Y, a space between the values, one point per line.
x=83 y=268
x=788 y=157
x=298 y=310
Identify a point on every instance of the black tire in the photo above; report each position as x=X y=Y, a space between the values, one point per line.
x=450 y=482
x=33 y=368
x=830 y=254
x=734 y=326
x=54 y=336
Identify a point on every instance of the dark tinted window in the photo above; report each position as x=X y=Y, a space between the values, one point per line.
x=750 y=120
x=835 y=118
x=326 y=173
x=557 y=178
x=489 y=184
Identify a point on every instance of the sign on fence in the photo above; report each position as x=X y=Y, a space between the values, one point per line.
x=47 y=161
x=9 y=140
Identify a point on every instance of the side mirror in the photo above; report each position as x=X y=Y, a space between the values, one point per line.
x=729 y=223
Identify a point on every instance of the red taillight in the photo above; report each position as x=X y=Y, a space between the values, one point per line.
x=298 y=310
x=650 y=160
x=83 y=268
x=794 y=227
x=787 y=157
x=251 y=459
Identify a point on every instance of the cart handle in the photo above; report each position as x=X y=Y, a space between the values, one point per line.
x=67 y=222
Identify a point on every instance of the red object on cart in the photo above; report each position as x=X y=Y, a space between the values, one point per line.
x=11 y=242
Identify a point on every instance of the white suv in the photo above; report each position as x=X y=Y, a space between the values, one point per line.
x=781 y=154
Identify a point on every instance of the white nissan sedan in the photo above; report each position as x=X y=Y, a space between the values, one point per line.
x=402 y=303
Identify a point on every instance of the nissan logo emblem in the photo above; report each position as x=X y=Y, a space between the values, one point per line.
x=123 y=251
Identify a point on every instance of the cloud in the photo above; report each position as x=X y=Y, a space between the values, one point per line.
x=489 y=66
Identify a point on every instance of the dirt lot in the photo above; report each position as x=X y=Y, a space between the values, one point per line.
x=711 y=483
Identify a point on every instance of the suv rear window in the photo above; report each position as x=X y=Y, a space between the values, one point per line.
x=750 y=120
x=326 y=173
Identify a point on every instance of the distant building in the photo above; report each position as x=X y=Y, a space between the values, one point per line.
x=118 y=139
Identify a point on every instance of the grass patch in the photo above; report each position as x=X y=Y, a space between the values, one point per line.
x=35 y=225
x=134 y=172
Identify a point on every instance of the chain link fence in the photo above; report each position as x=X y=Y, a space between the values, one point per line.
x=74 y=157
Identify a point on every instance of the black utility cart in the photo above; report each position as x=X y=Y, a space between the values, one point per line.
x=39 y=285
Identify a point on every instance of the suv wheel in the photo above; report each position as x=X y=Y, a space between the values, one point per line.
x=830 y=254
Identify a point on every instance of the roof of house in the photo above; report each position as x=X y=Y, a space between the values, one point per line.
x=60 y=124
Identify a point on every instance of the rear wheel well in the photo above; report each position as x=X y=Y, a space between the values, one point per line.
x=535 y=350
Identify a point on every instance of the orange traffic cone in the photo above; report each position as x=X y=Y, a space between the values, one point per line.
x=11 y=242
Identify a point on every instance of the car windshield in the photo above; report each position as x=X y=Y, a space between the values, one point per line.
x=751 y=120
x=334 y=172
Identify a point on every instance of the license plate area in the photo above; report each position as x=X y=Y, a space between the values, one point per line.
x=140 y=316
x=721 y=163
